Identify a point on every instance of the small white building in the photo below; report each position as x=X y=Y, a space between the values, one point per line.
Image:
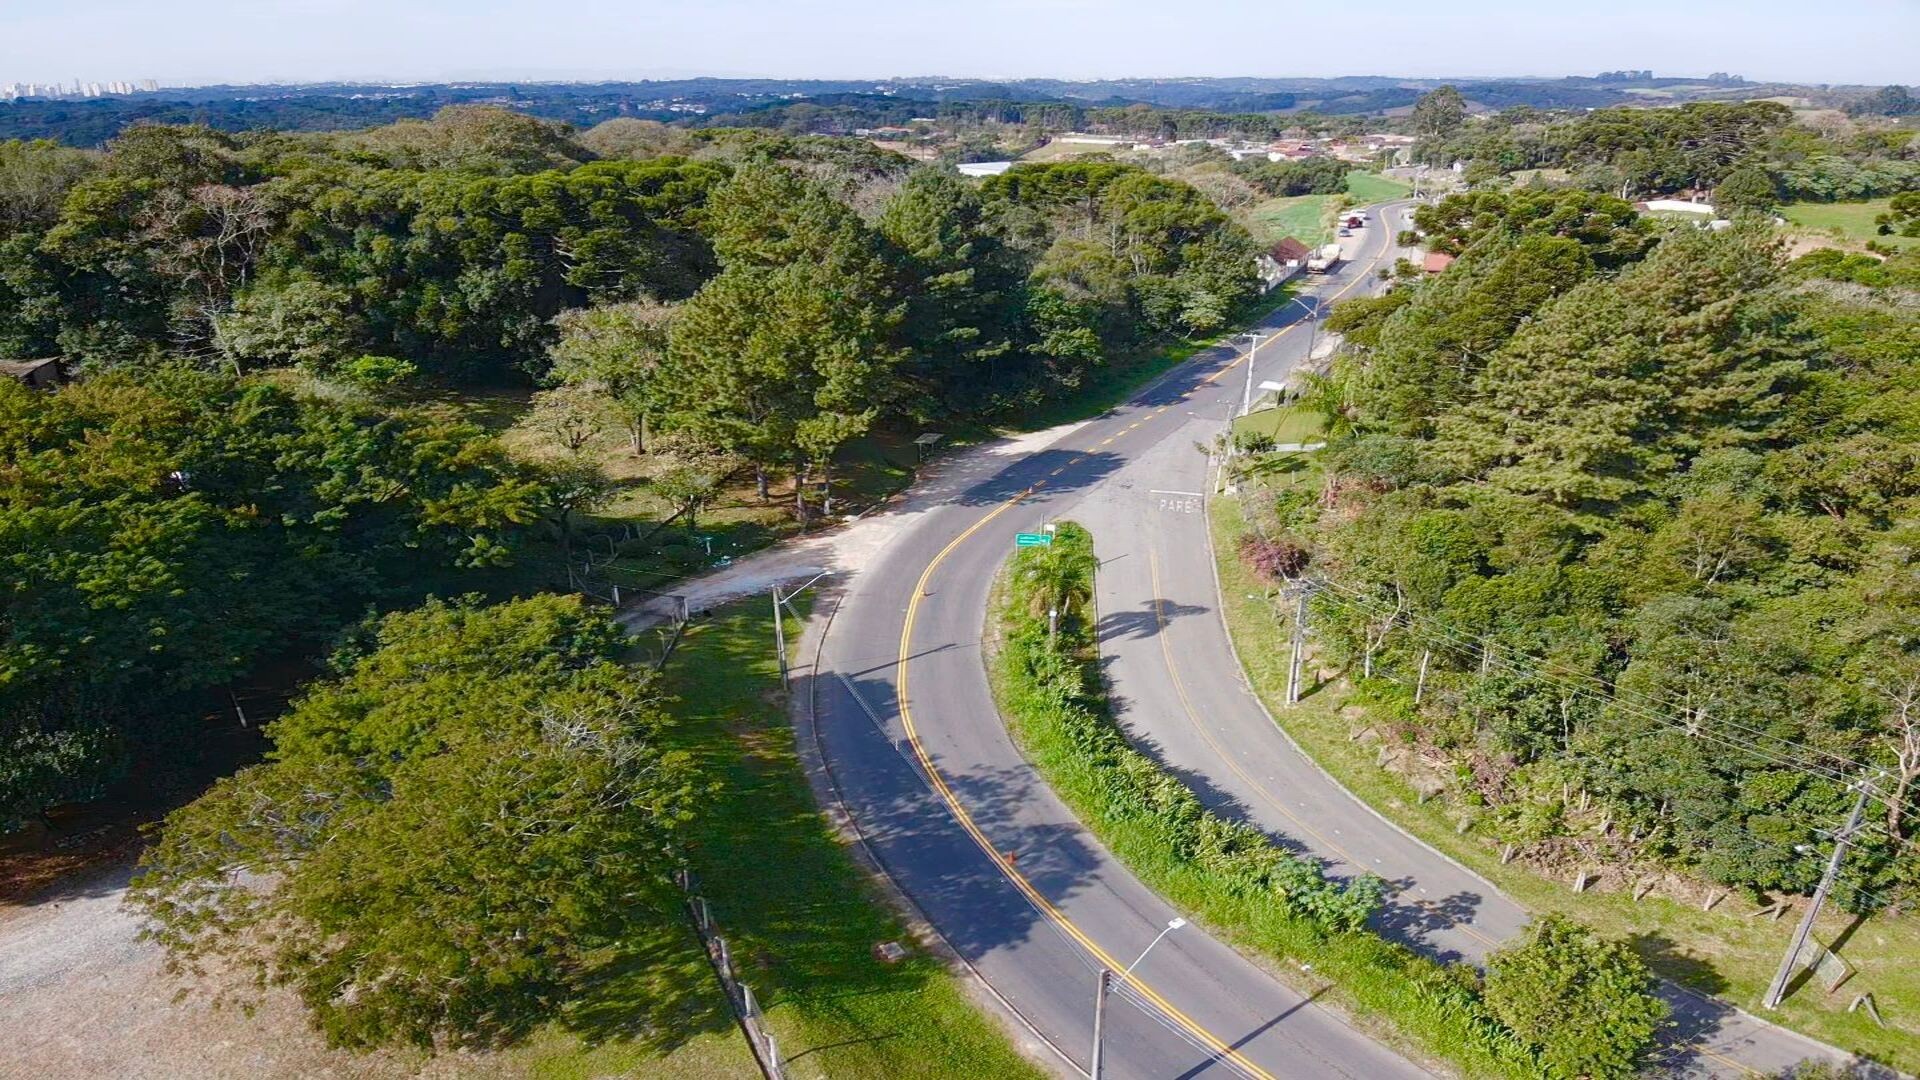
x=985 y=168
x=1678 y=206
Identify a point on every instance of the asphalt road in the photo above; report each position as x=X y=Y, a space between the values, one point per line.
x=958 y=819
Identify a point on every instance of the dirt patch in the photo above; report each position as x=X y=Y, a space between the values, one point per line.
x=85 y=997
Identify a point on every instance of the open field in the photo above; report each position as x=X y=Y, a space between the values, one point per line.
x=1371 y=187
x=1724 y=952
x=1062 y=151
x=1845 y=220
x=1304 y=216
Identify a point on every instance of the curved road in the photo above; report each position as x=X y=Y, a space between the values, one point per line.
x=920 y=760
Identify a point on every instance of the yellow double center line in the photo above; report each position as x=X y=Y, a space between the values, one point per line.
x=1020 y=882
x=959 y=810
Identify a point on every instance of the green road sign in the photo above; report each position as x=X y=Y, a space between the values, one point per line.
x=1032 y=539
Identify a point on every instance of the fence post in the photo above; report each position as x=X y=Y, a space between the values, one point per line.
x=740 y=999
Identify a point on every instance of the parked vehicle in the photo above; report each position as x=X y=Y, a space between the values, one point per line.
x=1324 y=260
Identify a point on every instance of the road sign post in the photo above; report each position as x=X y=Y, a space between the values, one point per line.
x=1032 y=539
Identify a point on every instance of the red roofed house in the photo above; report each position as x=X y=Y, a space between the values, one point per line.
x=1283 y=260
x=1436 y=261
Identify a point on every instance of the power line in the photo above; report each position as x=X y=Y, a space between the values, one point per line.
x=1610 y=696
x=1609 y=692
x=1850 y=884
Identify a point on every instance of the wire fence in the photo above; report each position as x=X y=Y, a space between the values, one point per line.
x=740 y=996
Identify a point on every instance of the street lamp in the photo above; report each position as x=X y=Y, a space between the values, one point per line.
x=1100 y=992
x=779 y=627
x=1253 y=350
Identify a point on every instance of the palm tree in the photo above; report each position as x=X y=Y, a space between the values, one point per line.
x=1058 y=576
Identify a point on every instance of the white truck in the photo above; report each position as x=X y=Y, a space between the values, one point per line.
x=1324 y=260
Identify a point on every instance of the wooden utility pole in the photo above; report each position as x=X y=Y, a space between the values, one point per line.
x=1791 y=961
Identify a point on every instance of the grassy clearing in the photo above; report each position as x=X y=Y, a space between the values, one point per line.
x=1371 y=187
x=1723 y=952
x=1850 y=221
x=1228 y=877
x=1304 y=217
x=1286 y=424
x=1064 y=151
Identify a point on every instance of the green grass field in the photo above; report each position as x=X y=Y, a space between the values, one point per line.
x=1286 y=424
x=1371 y=187
x=1845 y=220
x=1304 y=216
x=797 y=908
x=1723 y=952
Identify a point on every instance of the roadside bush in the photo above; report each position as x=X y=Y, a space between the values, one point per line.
x=1585 y=1004
x=1278 y=559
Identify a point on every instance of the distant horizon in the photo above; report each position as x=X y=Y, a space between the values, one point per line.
x=591 y=80
x=194 y=43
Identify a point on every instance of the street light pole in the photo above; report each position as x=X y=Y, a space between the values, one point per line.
x=1253 y=349
x=1313 y=328
x=1099 y=1020
x=779 y=626
x=1100 y=995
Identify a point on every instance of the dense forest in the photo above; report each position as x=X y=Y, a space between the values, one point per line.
x=741 y=300
x=1617 y=530
x=1633 y=153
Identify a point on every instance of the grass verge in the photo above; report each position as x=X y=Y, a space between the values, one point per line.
x=1285 y=424
x=1225 y=874
x=800 y=917
x=1723 y=952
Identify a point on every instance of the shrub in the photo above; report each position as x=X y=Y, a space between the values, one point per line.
x=1586 y=1005
x=1276 y=559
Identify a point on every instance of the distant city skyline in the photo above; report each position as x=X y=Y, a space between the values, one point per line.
x=198 y=42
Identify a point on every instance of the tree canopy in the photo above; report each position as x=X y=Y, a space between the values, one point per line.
x=1644 y=535
x=164 y=533
x=447 y=834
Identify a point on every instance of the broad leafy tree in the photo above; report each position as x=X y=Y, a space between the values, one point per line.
x=448 y=836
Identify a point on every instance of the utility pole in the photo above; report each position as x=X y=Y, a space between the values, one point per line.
x=1841 y=839
x=1299 y=658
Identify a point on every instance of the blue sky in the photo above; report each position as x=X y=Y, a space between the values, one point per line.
x=201 y=41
